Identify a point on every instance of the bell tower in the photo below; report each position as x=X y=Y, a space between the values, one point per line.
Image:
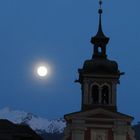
x=99 y=76
x=99 y=118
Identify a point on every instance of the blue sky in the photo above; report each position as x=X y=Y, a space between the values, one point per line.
x=58 y=33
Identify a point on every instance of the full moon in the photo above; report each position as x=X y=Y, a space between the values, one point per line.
x=42 y=71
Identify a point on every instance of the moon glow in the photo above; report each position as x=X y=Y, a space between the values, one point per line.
x=42 y=71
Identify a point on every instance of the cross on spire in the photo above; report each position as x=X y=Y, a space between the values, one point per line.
x=100 y=2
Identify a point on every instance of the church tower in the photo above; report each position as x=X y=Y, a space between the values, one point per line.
x=99 y=118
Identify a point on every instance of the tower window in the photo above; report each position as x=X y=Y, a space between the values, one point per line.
x=99 y=50
x=105 y=95
x=95 y=94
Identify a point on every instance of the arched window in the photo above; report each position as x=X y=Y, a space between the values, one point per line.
x=95 y=94
x=99 y=49
x=105 y=95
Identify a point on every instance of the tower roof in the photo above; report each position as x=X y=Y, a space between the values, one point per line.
x=99 y=64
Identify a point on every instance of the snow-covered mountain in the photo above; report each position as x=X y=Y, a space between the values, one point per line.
x=36 y=123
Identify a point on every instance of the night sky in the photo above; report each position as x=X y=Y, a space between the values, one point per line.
x=58 y=32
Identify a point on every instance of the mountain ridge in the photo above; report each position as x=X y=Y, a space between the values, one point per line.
x=38 y=124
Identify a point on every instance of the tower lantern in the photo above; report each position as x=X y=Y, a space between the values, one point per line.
x=100 y=40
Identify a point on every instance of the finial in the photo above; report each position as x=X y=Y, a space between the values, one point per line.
x=100 y=18
x=100 y=2
x=100 y=7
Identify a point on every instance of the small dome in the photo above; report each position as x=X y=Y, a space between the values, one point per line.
x=100 y=66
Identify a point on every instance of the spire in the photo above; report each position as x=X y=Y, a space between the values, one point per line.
x=100 y=40
x=100 y=31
